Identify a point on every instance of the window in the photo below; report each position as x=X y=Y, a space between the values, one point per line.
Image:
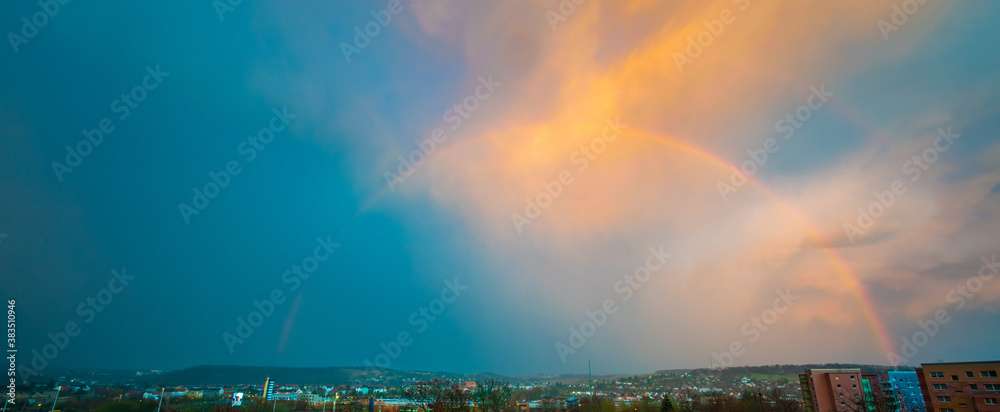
x=968 y=374
x=974 y=387
x=943 y=410
x=855 y=386
x=991 y=387
x=940 y=387
x=838 y=386
x=954 y=377
x=994 y=375
x=944 y=398
x=937 y=374
x=991 y=401
x=989 y=374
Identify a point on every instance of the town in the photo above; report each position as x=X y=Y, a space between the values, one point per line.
x=937 y=387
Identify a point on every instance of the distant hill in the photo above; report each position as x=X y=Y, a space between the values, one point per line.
x=787 y=371
x=578 y=378
x=360 y=373
x=673 y=371
x=255 y=375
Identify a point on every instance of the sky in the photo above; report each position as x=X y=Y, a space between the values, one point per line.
x=513 y=186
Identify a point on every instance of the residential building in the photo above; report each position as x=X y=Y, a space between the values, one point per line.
x=285 y=396
x=268 y=388
x=877 y=391
x=831 y=390
x=960 y=386
x=906 y=387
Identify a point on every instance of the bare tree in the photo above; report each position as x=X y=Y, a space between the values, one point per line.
x=439 y=396
x=781 y=402
x=599 y=404
x=754 y=401
x=642 y=404
x=493 y=395
x=422 y=393
x=690 y=402
x=549 y=404
x=877 y=403
x=720 y=402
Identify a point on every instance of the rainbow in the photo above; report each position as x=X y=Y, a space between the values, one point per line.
x=847 y=277
x=286 y=328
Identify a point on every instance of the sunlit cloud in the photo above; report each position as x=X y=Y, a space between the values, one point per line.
x=696 y=81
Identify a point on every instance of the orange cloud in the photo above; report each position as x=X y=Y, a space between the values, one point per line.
x=641 y=62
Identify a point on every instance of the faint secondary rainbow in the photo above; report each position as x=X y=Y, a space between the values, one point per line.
x=847 y=277
x=286 y=329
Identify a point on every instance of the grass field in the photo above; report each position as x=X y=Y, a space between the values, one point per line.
x=790 y=377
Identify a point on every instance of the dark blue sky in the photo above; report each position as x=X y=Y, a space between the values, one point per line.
x=119 y=207
x=223 y=79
